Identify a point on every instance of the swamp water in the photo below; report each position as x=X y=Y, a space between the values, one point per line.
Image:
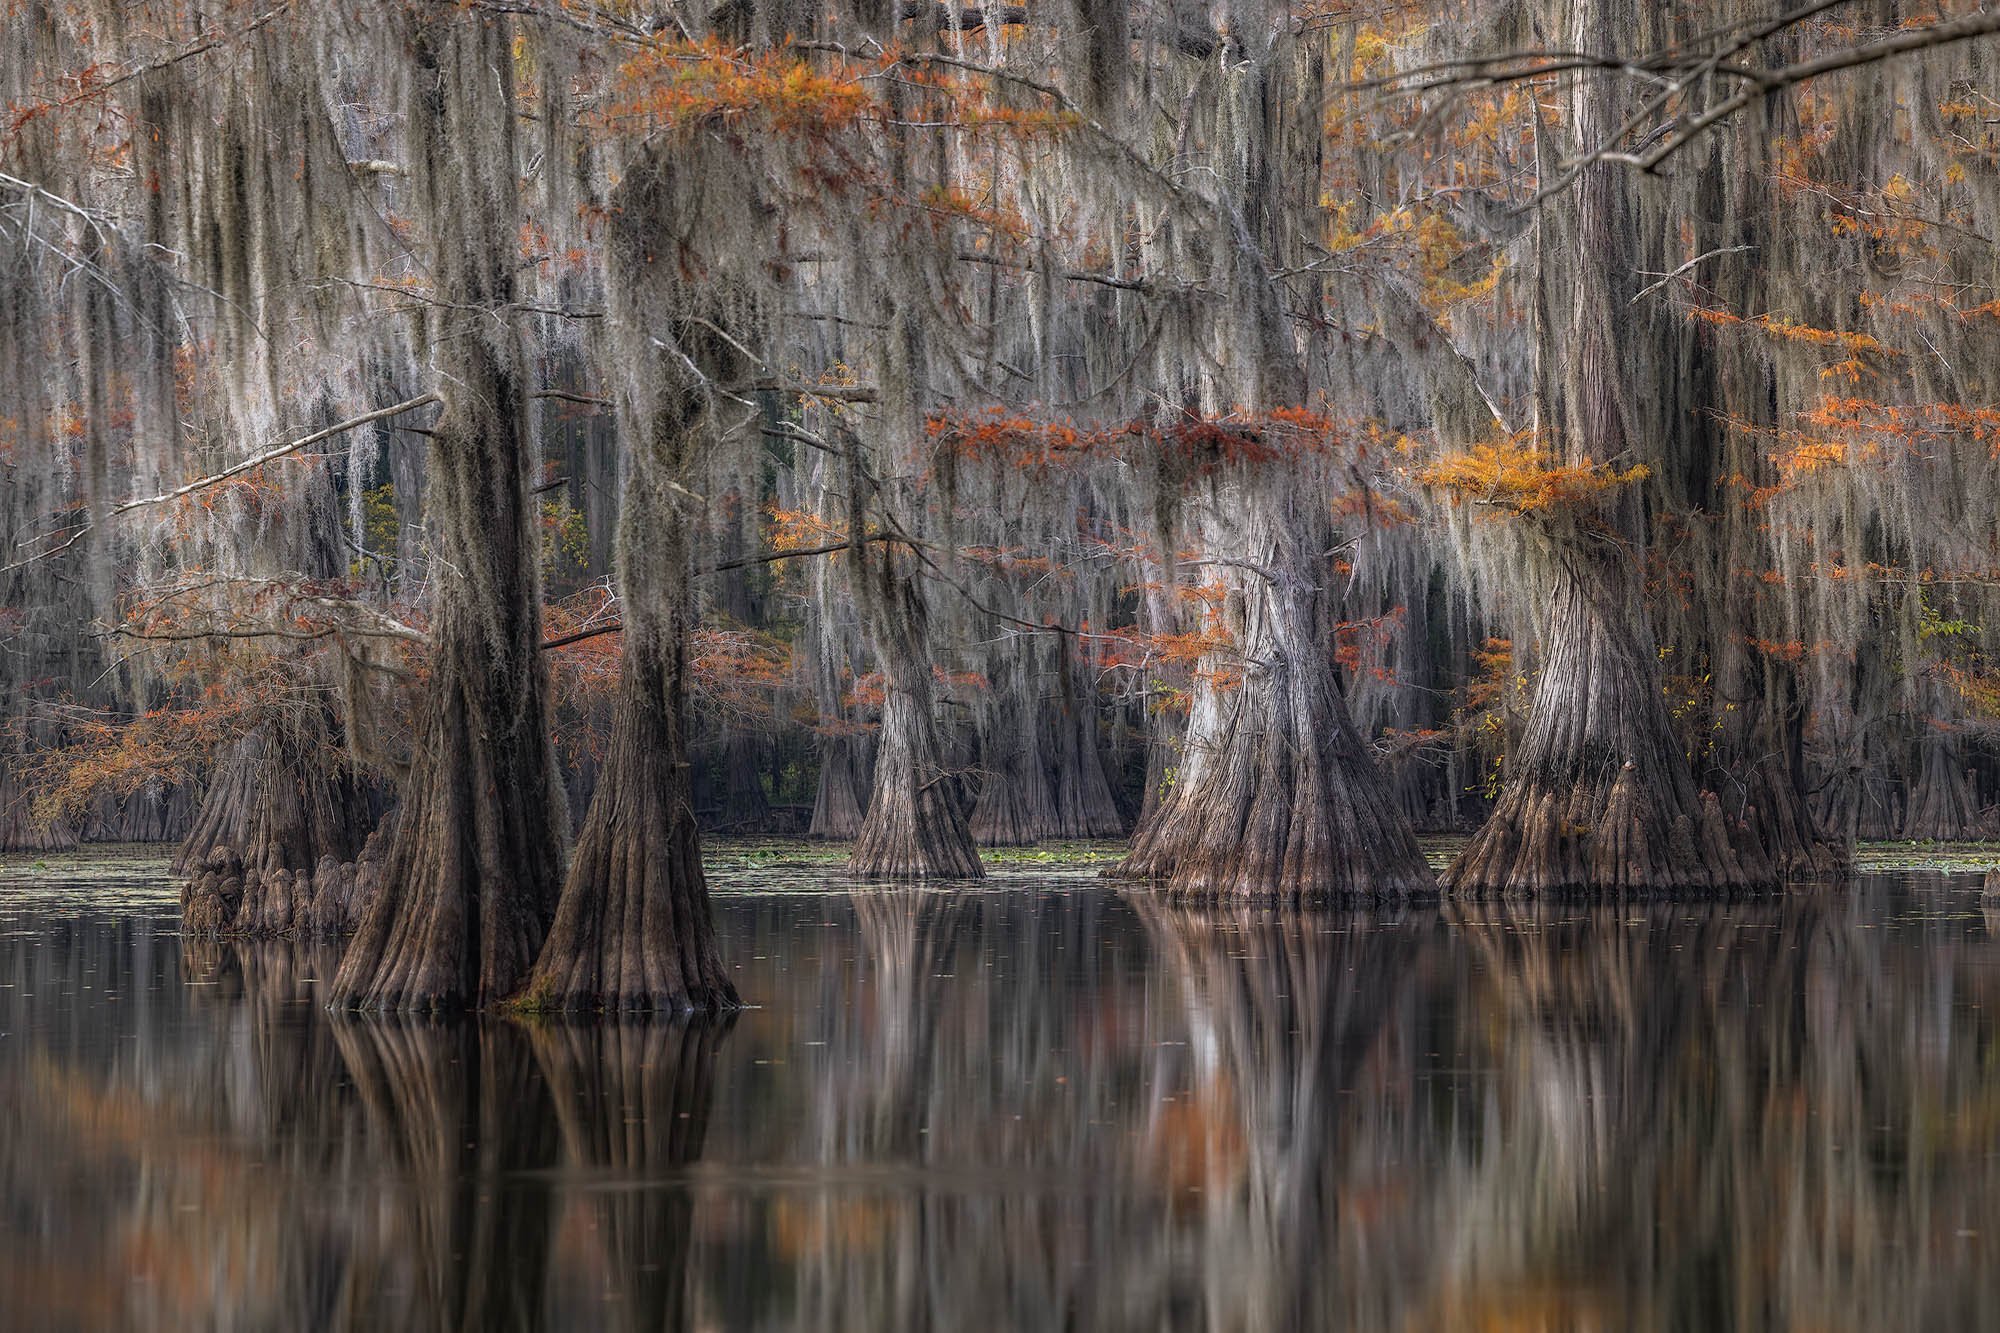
x=1038 y=1105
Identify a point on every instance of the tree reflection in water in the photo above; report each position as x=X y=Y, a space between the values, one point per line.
x=1040 y=1110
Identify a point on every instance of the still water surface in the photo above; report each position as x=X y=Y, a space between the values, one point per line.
x=1044 y=1105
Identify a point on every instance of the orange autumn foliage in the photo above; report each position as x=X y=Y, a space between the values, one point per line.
x=1516 y=476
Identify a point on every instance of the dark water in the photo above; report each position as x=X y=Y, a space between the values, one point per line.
x=1042 y=1107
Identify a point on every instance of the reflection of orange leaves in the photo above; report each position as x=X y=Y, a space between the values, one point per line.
x=806 y=1227
x=1197 y=1141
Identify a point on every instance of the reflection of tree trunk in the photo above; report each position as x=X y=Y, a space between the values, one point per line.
x=458 y=1109
x=471 y=880
x=632 y=1104
x=909 y=936
x=1276 y=794
x=1285 y=1011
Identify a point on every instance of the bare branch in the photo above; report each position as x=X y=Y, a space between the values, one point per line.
x=237 y=469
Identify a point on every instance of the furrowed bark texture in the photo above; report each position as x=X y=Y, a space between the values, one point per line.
x=634 y=929
x=276 y=820
x=1599 y=798
x=471 y=880
x=840 y=803
x=1084 y=805
x=914 y=828
x=1015 y=806
x=1276 y=796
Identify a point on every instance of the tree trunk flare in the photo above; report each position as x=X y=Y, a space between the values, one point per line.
x=634 y=930
x=155 y=813
x=1599 y=800
x=1942 y=806
x=745 y=806
x=19 y=830
x=1758 y=767
x=844 y=776
x=1015 y=807
x=470 y=882
x=1085 y=807
x=278 y=809
x=1276 y=796
x=914 y=828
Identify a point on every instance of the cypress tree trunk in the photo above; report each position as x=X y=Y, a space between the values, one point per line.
x=1758 y=771
x=1084 y=805
x=1942 y=807
x=634 y=929
x=277 y=806
x=1276 y=794
x=470 y=881
x=19 y=831
x=745 y=754
x=839 y=804
x=1015 y=807
x=914 y=828
x=1599 y=797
